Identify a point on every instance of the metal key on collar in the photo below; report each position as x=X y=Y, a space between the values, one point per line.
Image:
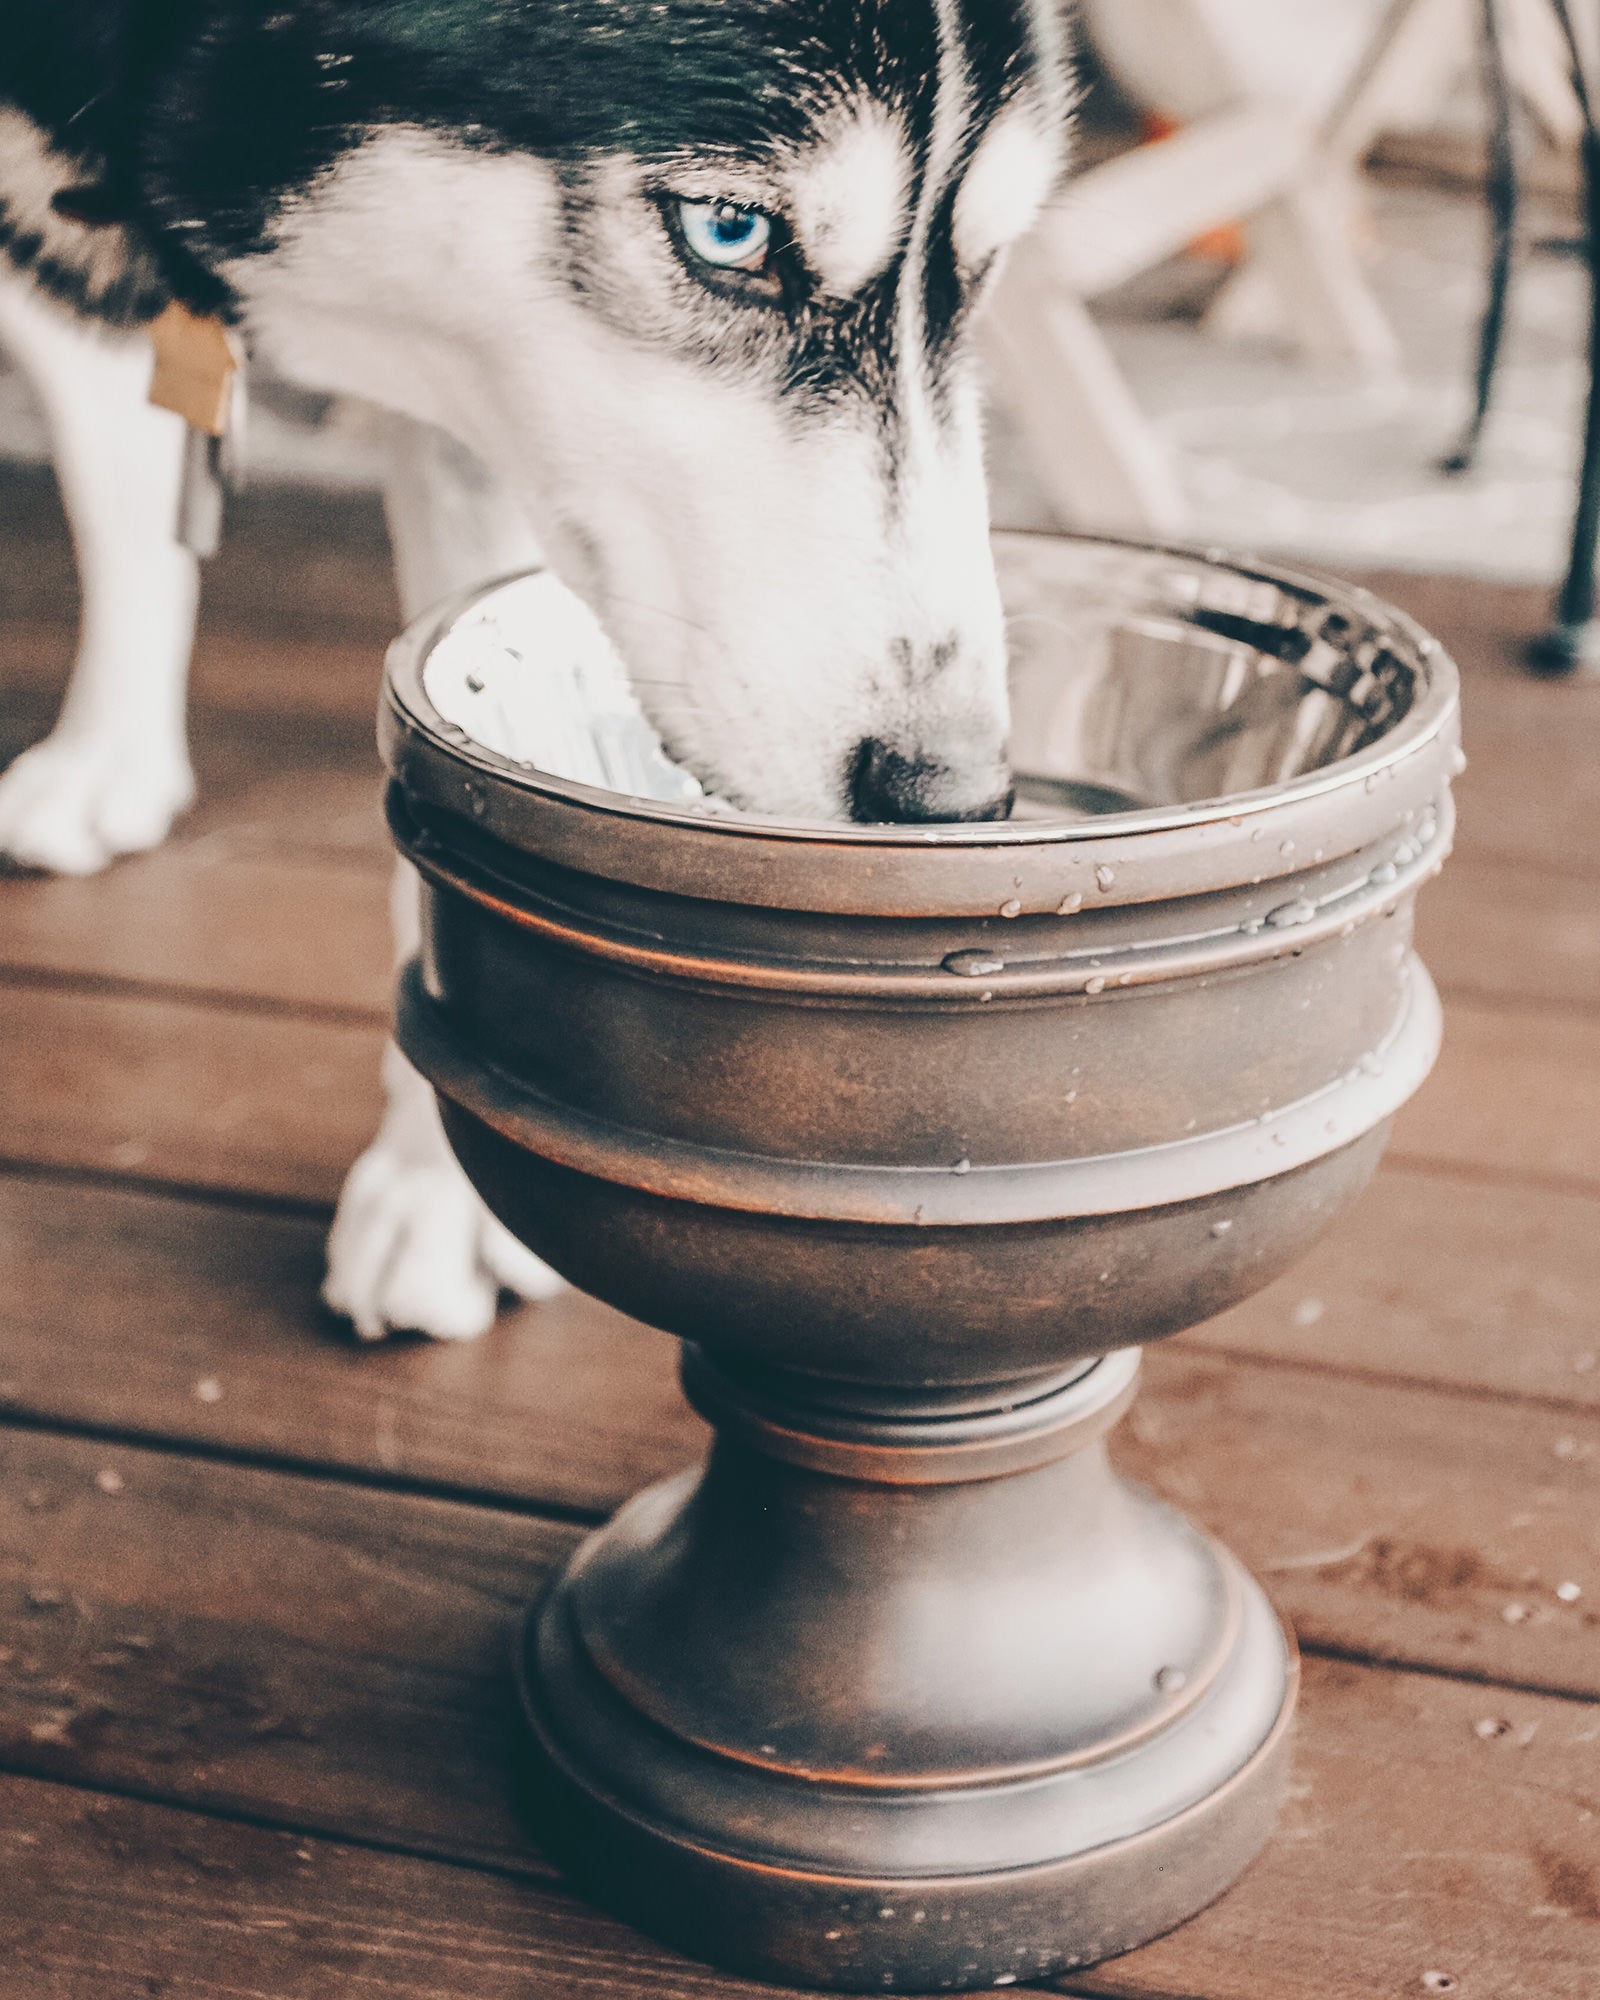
x=199 y=376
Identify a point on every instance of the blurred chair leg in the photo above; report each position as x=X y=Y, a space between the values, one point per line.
x=1093 y=450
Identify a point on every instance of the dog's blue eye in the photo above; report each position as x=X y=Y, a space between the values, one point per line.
x=726 y=235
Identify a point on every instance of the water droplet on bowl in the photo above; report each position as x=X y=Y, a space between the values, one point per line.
x=1011 y=907
x=1286 y=848
x=1171 y=1680
x=1095 y=985
x=973 y=964
x=962 y=1166
x=1070 y=905
x=1383 y=875
x=1105 y=878
x=1287 y=915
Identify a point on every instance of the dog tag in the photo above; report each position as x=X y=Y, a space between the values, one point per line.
x=197 y=365
x=197 y=377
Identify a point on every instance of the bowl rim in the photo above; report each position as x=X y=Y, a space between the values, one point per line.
x=1429 y=714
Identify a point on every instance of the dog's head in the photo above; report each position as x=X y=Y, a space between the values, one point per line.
x=697 y=276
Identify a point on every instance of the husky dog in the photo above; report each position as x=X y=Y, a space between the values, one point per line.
x=693 y=279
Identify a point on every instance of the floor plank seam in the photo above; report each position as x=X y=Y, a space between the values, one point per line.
x=325 y=1472
x=1377 y=1378
x=215 y=999
x=206 y=1194
x=1398 y=1160
x=1386 y=1663
x=535 y=1871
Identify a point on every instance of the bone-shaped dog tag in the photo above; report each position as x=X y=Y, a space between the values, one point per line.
x=197 y=376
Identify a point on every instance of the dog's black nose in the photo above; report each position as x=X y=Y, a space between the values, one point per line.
x=884 y=786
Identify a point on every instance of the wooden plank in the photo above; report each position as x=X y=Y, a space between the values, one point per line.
x=1414 y=1843
x=200 y=1324
x=1392 y=1522
x=208 y=1095
x=276 y=891
x=175 y=1091
x=270 y=1646
x=331 y=1662
x=294 y=561
x=202 y=915
x=1511 y=931
x=1516 y=1095
x=110 y=1897
x=233 y=671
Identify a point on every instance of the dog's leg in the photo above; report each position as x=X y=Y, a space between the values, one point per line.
x=412 y=1245
x=114 y=772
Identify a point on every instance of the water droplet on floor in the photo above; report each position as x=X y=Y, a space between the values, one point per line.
x=1438 y=1982
x=1569 y=1593
x=1490 y=1726
x=1069 y=906
x=208 y=1390
x=1105 y=878
x=1070 y=1098
x=1308 y=1312
x=1514 y=1614
x=973 y=964
x=1095 y=985
x=1011 y=907
x=1221 y=1228
x=109 y=1480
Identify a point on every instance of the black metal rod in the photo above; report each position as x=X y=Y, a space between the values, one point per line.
x=1572 y=641
x=1504 y=192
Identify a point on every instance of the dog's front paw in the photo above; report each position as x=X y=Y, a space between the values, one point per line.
x=71 y=804
x=414 y=1249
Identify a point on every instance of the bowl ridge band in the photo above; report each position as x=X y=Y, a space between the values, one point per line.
x=1355 y=894
x=1186 y=1169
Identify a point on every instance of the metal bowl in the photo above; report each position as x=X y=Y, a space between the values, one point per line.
x=913 y=1104
x=909 y=1130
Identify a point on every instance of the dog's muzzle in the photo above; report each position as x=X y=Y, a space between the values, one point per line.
x=885 y=786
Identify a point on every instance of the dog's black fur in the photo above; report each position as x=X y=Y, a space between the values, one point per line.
x=188 y=122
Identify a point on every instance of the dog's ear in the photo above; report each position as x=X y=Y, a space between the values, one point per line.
x=95 y=205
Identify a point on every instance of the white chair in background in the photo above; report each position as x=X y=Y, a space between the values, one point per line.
x=1280 y=100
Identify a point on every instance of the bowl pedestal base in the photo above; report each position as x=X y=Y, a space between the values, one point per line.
x=907 y=1690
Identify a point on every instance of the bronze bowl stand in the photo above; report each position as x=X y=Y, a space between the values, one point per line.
x=913 y=1135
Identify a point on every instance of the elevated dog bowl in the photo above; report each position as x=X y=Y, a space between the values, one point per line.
x=913 y=1134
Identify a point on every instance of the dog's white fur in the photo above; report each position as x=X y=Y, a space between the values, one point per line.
x=676 y=496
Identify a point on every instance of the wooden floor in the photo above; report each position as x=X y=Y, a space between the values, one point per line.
x=255 y=1585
